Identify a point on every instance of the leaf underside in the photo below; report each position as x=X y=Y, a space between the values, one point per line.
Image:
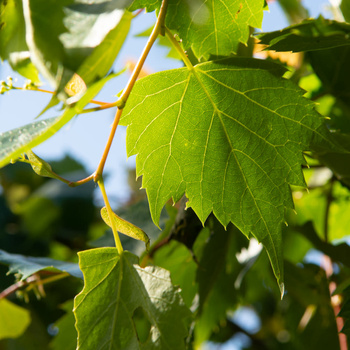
x=230 y=135
x=28 y=265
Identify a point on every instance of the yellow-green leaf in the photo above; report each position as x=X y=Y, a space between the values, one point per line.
x=14 y=319
x=40 y=166
x=125 y=227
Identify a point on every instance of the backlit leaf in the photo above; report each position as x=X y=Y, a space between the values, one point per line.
x=72 y=34
x=230 y=135
x=214 y=27
x=14 y=319
x=125 y=227
x=115 y=288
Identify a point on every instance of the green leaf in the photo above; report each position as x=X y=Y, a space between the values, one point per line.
x=125 y=227
x=216 y=278
x=116 y=287
x=40 y=166
x=15 y=142
x=63 y=35
x=310 y=35
x=14 y=319
x=149 y=5
x=13 y=45
x=97 y=31
x=214 y=27
x=229 y=134
x=178 y=260
x=67 y=336
x=28 y=265
x=345 y=9
x=332 y=67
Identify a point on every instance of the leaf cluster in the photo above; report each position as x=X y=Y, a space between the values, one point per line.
x=225 y=147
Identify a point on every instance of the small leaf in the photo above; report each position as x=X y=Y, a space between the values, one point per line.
x=310 y=35
x=28 y=265
x=39 y=165
x=14 y=319
x=125 y=227
x=115 y=287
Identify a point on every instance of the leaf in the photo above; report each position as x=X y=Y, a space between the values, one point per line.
x=214 y=27
x=216 y=278
x=39 y=165
x=65 y=35
x=210 y=27
x=178 y=260
x=310 y=35
x=15 y=142
x=229 y=134
x=66 y=337
x=98 y=63
x=149 y=5
x=13 y=45
x=14 y=319
x=115 y=286
x=125 y=227
x=28 y=265
x=44 y=24
x=332 y=67
x=345 y=9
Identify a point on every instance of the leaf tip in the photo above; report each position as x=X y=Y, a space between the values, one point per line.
x=282 y=290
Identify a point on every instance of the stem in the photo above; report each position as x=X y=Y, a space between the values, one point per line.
x=158 y=29
x=52 y=92
x=110 y=214
x=99 y=170
x=31 y=281
x=178 y=48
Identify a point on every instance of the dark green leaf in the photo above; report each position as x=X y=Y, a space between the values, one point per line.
x=332 y=67
x=345 y=9
x=216 y=276
x=310 y=35
x=67 y=336
x=115 y=286
x=28 y=265
x=229 y=134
